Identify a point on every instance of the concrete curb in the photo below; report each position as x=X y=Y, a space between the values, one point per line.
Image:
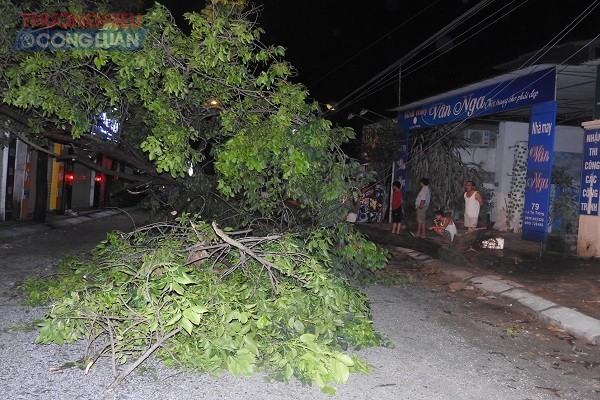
x=576 y=323
x=64 y=223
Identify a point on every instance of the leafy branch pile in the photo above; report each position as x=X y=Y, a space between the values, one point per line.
x=201 y=298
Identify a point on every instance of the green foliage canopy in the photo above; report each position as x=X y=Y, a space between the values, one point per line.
x=217 y=84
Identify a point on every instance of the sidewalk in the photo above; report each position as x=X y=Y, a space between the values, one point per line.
x=564 y=292
x=9 y=229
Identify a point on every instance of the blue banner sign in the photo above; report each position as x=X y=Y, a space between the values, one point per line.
x=524 y=91
x=539 y=171
x=590 y=171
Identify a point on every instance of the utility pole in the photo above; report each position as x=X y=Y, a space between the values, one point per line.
x=399 y=84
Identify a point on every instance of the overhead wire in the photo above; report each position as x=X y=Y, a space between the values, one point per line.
x=549 y=45
x=412 y=68
x=415 y=66
x=456 y=22
x=529 y=62
x=373 y=43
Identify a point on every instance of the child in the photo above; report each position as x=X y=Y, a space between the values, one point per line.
x=444 y=226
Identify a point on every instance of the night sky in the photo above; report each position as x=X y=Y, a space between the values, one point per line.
x=338 y=45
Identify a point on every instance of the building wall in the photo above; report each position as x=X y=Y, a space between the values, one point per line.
x=24 y=188
x=3 y=172
x=56 y=177
x=20 y=175
x=83 y=188
x=567 y=139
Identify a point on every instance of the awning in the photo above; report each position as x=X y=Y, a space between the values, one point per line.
x=575 y=93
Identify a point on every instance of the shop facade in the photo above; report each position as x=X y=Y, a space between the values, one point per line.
x=518 y=117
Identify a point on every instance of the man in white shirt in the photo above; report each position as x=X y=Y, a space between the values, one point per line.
x=422 y=205
x=473 y=203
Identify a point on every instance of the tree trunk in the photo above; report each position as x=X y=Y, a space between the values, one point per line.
x=41 y=188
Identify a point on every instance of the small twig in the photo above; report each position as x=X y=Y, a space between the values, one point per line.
x=241 y=262
x=112 y=346
x=267 y=264
x=140 y=360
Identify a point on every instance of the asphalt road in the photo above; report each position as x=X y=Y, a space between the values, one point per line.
x=446 y=347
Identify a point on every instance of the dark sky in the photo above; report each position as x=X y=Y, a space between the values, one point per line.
x=338 y=45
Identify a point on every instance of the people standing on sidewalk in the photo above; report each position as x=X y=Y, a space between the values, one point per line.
x=473 y=203
x=422 y=205
x=397 y=202
x=444 y=226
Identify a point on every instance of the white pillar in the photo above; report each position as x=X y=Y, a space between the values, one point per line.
x=588 y=236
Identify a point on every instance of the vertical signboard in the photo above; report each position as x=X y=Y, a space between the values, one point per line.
x=401 y=161
x=539 y=171
x=588 y=192
x=400 y=169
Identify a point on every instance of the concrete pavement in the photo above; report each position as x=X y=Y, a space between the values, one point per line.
x=576 y=323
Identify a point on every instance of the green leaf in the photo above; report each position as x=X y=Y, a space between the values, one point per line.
x=251 y=345
x=344 y=358
x=339 y=370
x=192 y=316
x=330 y=390
x=199 y=309
x=307 y=338
x=183 y=279
x=177 y=288
x=263 y=322
x=288 y=372
x=187 y=325
x=174 y=319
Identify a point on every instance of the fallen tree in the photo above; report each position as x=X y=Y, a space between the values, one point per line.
x=212 y=110
x=187 y=291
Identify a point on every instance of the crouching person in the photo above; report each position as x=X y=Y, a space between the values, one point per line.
x=444 y=226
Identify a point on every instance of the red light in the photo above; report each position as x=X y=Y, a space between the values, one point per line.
x=98 y=178
x=69 y=177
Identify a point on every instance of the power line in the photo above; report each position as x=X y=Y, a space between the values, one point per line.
x=456 y=22
x=382 y=84
x=530 y=62
x=374 y=43
x=415 y=66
